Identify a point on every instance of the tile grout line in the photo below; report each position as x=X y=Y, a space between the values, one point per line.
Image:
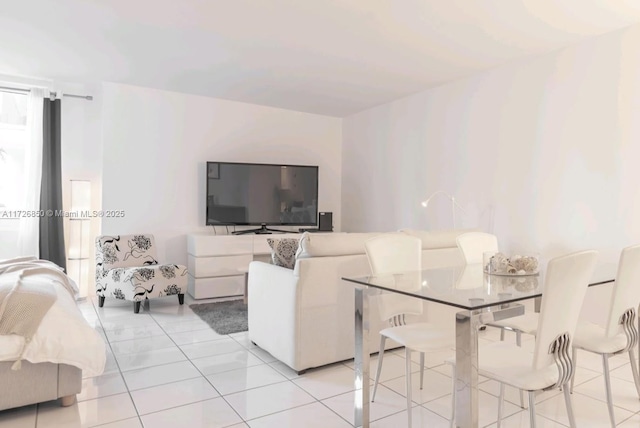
x=246 y=421
x=269 y=364
x=142 y=368
x=205 y=378
x=119 y=370
x=121 y=373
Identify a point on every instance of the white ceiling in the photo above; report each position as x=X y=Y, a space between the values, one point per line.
x=331 y=57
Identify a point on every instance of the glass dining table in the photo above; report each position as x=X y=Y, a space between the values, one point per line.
x=481 y=298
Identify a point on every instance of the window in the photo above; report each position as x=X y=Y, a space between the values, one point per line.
x=13 y=142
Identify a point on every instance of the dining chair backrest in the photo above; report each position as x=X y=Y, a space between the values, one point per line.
x=391 y=254
x=626 y=291
x=474 y=244
x=565 y=285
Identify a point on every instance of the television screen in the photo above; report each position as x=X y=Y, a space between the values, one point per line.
x=255 y=194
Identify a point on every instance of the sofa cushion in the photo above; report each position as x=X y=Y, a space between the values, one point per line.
x=283 y=251
x=332 y=244
x=435 y=239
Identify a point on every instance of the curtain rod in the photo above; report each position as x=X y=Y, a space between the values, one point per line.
x=26 y=91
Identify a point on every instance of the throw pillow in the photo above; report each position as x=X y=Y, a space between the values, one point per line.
x=283 y=251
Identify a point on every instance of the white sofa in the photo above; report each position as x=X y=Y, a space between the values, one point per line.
x=305 y=317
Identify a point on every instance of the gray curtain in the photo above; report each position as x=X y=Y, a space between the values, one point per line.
x=51 y=226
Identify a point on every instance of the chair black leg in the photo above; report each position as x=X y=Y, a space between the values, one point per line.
x=181 y=299
x=101 y=301
x=136 y=307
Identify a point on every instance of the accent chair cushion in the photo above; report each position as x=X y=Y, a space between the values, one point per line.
x=283 y=251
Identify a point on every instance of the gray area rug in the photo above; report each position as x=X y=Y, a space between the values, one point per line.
x=224 y=317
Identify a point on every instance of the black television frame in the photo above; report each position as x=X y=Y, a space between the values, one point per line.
x=263 y=225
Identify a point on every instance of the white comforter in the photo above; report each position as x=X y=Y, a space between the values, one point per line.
x=64 y=337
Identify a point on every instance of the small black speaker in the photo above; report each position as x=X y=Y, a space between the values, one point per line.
x=325 y=222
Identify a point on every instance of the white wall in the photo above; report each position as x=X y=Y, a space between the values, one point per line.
x=156 y=144
x=545 y=152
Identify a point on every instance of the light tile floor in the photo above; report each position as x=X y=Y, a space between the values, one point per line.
x=167 y=368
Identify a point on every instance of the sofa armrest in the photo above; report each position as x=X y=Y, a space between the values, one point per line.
x=261 y=274
x=273 y=318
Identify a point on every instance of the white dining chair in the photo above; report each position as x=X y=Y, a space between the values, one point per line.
x=394 y=253
x=550 y=365
x=474 y=244
x=620 y=334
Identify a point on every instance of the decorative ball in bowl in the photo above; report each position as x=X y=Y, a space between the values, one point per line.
x=516 y=265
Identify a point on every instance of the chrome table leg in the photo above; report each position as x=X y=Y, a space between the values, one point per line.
x=361 y=360
x=466 y=372
x=467 y=369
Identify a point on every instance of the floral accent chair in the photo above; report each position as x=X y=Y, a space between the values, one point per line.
x=127 y=268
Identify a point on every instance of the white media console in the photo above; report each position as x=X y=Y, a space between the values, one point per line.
x=217 y=263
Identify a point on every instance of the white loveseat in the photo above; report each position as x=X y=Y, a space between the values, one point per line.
x=305 y=317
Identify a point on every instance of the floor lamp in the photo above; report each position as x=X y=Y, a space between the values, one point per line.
x=454 y=204
x=79 y=235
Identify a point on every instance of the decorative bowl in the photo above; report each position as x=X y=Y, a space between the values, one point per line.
x=516 y=265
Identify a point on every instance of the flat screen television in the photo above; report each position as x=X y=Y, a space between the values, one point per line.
x=261 y=194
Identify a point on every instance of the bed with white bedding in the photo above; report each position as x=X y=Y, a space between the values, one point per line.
x=49 y=362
